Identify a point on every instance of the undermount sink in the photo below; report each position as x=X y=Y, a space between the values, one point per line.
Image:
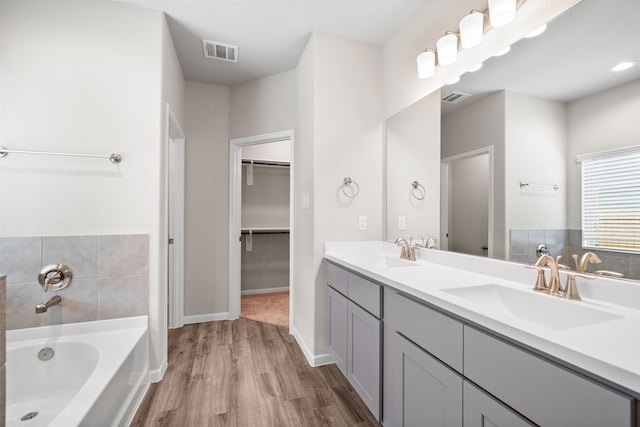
x=541 y=309
x=389 y=261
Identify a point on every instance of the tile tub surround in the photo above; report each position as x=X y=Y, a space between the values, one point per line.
x=567 y=242
x=110 y=278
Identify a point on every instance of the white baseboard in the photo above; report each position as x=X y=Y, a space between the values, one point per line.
x=322 y=359
x=157 y=374
x=264 y=291
x=201 y=318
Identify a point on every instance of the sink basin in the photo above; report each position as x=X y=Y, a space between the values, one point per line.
x=541 y=309
x=388 y=261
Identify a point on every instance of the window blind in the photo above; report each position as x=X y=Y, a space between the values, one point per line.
x=611 y=200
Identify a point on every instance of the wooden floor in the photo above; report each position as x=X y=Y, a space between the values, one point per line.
x=245 y=373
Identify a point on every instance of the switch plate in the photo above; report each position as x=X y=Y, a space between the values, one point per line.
x=402 y=223
x=362 y=223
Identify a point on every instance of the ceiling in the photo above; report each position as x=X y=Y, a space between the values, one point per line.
x=568 y=61
x=271 y=34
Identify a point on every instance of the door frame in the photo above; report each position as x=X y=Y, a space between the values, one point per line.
x=235 y=214
x=445 y=177
x=174 y=214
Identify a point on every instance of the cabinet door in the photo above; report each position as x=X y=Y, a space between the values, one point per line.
x=422 y=390
x=481 y=410
x=337 y=314
x=363 y=360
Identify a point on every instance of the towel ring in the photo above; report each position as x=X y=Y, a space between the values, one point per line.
x=347 y=182
x=418 y=191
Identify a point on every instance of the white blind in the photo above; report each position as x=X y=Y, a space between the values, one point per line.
x=611 y=200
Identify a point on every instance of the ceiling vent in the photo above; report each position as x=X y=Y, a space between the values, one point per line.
x=222 y=51
x=455 y=97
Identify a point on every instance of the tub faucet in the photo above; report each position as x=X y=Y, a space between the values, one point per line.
x=554 y=282
x=44 y=306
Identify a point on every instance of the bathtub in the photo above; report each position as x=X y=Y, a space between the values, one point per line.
x=80 y=374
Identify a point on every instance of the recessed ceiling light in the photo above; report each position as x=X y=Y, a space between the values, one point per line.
x=623 y=66
x=541 y=29
x=475 y=68
x=503 y=51
x=454 y=81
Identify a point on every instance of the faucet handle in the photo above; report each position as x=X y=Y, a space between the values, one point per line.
x=571 y=290
x=541 y=281
x=608 y=273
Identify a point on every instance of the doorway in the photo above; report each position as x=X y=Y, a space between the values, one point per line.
x=260 y=231
x=467 y=203
x=175 y=155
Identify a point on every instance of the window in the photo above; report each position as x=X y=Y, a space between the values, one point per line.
x=611 y=200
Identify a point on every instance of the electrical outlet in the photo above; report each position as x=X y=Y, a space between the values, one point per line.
x=362 y=223
x=402 y=223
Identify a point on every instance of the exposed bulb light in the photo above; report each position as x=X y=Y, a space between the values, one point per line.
x=623 y=66
x=426 y=64
x=447 y=46
x=454 y=81
x=471 y=29
x=501 y=12
x=541 y=29
x=474 y=69
x=503 y=51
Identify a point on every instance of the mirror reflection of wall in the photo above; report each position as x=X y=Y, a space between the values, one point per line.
x=548 y=100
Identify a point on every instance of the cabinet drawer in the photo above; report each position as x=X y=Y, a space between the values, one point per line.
x=481 y=410
x=365 y=293
x=435 y=332
x=547 y=394
x=337 y=278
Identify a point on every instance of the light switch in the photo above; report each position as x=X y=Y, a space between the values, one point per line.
x=362 y=223
x=402 y=223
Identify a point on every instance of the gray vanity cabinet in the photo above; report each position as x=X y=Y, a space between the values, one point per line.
x=355 y=332
x=481 y=410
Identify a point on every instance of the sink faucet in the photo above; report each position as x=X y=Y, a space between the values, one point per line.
x=408 y=252
x=588 y=258
x=45 y=305
x=554 y=282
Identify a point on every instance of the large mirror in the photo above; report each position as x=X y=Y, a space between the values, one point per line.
x=510 y=133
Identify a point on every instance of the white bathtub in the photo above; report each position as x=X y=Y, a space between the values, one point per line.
x=97 y=376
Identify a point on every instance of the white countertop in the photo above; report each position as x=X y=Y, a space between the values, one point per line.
x=608 y=351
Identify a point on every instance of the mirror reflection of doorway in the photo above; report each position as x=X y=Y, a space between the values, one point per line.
x=467 y=204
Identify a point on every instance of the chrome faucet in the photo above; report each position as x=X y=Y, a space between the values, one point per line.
x=45 y=305
x=554 y=287
x=408 y=252
x=588 y=258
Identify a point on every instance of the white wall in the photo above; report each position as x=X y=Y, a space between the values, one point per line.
x=96 y=85
x=413 y=154
x=207 y=200
x=402 y=86
x=340 y=125
x=274 y=151
x=600 y=122
x=263 y=106
x=536 y=150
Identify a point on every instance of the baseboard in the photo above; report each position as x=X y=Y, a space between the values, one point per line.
x=157 y=374
x=264 y=291
x=322 y=359
x=201 y=318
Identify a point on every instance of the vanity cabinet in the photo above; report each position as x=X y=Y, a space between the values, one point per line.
x=355 y=332
x=437 y=368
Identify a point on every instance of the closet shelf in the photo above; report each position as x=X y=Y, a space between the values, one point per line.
x=265 y=230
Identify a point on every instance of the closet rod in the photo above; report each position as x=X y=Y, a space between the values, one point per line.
x=253 y=232
x=266 y=163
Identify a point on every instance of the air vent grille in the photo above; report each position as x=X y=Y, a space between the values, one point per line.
x=455 y=97
x=222 y=51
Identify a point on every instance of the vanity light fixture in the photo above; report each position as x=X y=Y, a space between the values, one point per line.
x=623 y=66
x=447 y=47
x=426 y=64
x=503 y=51
x=541 y=29
x=471 y=29
x=501 y=12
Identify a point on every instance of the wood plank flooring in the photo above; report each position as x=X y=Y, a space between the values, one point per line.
x=246 y=373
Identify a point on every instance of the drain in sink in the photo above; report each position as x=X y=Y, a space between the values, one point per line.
x=29 y=416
